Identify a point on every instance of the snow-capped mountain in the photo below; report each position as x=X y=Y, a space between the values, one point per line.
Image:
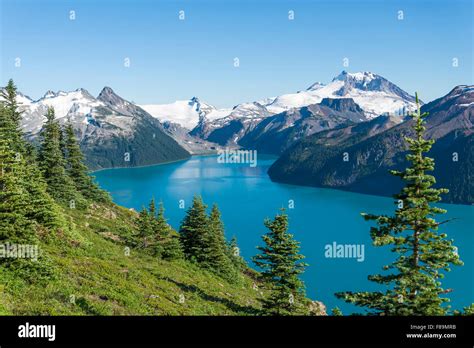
x=276 y=133
x=378 y=145
x=231 y=128
x=186 y=113
x=75 y=106
x=107 y=127
x=373 y=93
x=111 y=117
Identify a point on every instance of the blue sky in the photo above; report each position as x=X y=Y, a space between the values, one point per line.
x=174 y=59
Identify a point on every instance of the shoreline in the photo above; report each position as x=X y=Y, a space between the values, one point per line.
x=152 y=165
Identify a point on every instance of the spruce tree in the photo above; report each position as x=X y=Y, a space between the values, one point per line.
x=193 y=231
x=77 y=170
x=16 y=227
x=215 y=255
x=39 y=206
x=145 y=228
x=52 y=163
x=169 y=246
x=413 y=284
x=281 y=263
x=12 y=118
x=158 y=226
x=172 y=247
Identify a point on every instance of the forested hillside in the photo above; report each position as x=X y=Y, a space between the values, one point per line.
x=68 y=249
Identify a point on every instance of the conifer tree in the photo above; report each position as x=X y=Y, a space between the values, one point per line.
x=12 y=118
x=281 y=263
x=413 y=284
x=39 y=206
x=15 y=225
x=52 y=163
x=172 y=247
x=77 y=170
x=215 y=255
x=158 y=226
x=193 y=231
x=169 y=247
x=145 y=228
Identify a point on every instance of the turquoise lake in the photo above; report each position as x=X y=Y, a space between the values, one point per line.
x=246 y=196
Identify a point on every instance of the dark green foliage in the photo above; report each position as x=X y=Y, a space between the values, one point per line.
x=167 y=238
x=12 y=118
x=423 y=253
x=77 y=170
x=145 y=229
x=41 y=206
x=281 y=264
x=15 y=226
x=38 y=205
x=203 y=240
x=52 y=164
x=156 y=235
x=378 y=145
x=149 y=145
x=216 y=256
x=17 y=216
x=193 y=231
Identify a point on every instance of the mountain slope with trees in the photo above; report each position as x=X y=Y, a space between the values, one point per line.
x=112 y=131
x=276 y=133
x=423 y=253
x=359 y=162
x=88 y=256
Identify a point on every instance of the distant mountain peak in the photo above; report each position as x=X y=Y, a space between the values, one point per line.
x=106 y=92
x=49 y=94
x=315 y=86
x=357 y=76
x=109 y=97
x=461 y=89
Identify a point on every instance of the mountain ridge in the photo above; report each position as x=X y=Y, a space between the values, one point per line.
x=113 y=132
x=314 y=161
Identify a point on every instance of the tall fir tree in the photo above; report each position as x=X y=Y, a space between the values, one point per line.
x=12 y=118
x=168 y=240
x=145 y=229
x=193 y=231
x=281 y=266
x=422 y=252
x=52 y=164
x=215 y=255
x=39 y=205
x=16 y=227
x=76 y=168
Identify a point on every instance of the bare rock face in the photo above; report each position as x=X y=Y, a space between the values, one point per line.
x=277 y=133
x=358 y=157
x=112 y=131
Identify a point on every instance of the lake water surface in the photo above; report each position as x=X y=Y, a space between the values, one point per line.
x=246 y=196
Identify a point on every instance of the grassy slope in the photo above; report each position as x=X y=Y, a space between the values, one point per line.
x=104 y=281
